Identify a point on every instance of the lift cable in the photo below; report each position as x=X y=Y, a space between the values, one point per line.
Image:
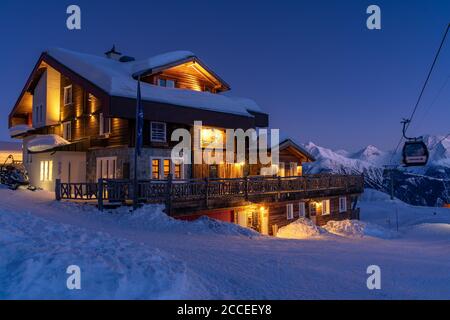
x=421 y=92
x=436 y=98
x=440 y=140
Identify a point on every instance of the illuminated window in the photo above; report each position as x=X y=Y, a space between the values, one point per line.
x=325 y=207
x=177 y=171
x=158 y=131
x=67 y=130
x=46 y=171
x=290 y=211
x=281 y=170
x=212 y=138
x=166 y=167
x=342 y=204
x=299 y=170
x=155 y=169
x=166 y=83
x=292 y=169
x=67 y=95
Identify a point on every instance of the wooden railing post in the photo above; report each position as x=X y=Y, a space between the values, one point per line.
x=279 y=188
x=206 y=191
x=169 y=194
x=100 y=194
x=246 y=188
x=58 y=189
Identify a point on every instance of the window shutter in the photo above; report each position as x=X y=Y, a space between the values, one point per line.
x=301 y=209
x=342 y=204
x=290 y=211
x=158 y=131
x=101 y=124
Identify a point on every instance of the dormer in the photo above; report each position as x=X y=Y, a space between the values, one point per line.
x=180 y=69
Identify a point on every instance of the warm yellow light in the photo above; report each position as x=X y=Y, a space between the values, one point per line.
x=211 y=136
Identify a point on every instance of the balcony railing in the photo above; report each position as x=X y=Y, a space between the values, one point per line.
x=173 y=191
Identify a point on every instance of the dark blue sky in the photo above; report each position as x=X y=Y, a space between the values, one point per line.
x=312 y=65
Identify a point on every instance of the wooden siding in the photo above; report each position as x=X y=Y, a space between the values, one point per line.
x=125 y=108
x=187 y=76
x=278 y=211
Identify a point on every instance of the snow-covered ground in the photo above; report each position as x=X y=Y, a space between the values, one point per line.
x=148 y=255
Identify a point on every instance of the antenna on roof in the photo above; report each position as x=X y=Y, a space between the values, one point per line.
x=113 y=54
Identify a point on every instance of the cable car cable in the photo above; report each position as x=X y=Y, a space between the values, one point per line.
x=434 y=145
x=436 y=98
x=428 y=76
x=421 y=92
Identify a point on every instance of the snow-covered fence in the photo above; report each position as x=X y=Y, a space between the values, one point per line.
x=203 y=190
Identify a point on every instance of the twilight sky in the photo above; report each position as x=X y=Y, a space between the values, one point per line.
x=312 y=65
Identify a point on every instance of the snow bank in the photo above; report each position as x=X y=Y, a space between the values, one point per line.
x=302 y=228
x=35 y=254
x=46 y=142
x=152 y=218
x=356 y=228
x=377 y=208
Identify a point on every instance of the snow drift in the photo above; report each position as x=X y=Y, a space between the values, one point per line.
x=151 y=217
x=301 y=228
x=356 y=228
x=35 y=254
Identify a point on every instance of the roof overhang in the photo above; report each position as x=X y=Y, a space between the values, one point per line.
x=25 y=100
x=296 y=149
x=202 y=67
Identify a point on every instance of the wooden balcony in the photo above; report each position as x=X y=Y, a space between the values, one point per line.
x=195 y=194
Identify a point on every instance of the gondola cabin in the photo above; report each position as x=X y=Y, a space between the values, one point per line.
x=415 y=153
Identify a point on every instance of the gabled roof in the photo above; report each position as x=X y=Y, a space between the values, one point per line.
x=289 y=143
x=116 y=78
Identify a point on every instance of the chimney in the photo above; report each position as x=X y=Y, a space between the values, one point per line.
x=113 y=54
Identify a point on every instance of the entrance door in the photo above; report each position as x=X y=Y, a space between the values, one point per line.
x=242 y=218
x=106 y=167
x=264 y=221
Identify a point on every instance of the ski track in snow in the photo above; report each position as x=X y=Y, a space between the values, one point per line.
x=136 y=257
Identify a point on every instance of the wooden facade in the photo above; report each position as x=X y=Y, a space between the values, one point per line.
x=218 y=190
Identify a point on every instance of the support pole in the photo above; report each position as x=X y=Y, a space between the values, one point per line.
x=58 y=189
x=100 y=194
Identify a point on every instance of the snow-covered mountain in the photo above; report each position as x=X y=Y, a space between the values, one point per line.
x=416 y=185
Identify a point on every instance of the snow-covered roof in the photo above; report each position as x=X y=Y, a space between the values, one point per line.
x=46 y=142
x=116 y=78
x=19 y=129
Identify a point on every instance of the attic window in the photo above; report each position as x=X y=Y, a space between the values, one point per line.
x=68 y=95
x=166 y=83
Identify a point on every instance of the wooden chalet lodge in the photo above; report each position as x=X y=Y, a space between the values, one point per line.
x=76 y=117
